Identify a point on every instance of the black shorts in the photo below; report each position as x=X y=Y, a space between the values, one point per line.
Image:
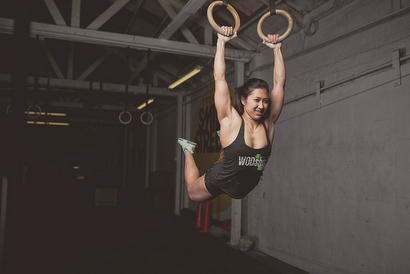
x=210 y=184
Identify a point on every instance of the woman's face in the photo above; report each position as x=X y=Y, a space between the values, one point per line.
x=256 y=104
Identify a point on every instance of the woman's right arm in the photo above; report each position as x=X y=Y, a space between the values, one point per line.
x=222 y=95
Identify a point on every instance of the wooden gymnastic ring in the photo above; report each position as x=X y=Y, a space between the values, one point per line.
x=122 y=121
x=230 y=9
x=283 y=36
x=8 y=110
x=142 y=120
x=34 y=116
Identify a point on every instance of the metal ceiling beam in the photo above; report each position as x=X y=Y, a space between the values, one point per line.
x=75 y=13
x=70 y=60
x=75 y=85
x=55 y=12
x=73 y=105
x=190 y=8
x=124 y=40
x=94 y=65
x=323 y=10
x=168 y=32
x=75 y=23
x=51 y=58
x=106 y=15
x=137 y=6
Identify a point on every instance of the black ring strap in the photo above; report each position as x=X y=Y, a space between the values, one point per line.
x=272 y=7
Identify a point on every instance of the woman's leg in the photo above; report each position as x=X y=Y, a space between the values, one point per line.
x=195 y=184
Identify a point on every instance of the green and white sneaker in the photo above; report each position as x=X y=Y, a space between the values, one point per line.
x=187 y=145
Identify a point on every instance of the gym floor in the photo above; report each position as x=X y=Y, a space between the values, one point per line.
x=49 y=230
x=169 y=244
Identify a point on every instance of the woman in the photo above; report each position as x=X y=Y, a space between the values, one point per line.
x=246 y=130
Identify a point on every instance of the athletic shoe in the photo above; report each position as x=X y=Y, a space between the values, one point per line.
x=187 y=145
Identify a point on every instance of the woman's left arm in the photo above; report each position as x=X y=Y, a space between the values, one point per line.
x=279 y=78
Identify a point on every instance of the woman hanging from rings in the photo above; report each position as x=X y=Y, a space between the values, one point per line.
x=246 y=130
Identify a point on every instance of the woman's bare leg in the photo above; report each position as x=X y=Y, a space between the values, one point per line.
x=195 y=184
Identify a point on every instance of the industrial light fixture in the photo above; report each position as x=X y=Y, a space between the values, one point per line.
x=47 y=123
x=45 y=113
x=185 y=77
x=143 y=105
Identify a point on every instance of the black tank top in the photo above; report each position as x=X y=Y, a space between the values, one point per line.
x=241 y=168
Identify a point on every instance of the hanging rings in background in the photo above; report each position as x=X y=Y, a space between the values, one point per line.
x=124 y=113
x=148 y=121
x=8 y=110
x=33 y=111
x=98 y=129
x=266 y=15
x=230 y=9
x=33 y=114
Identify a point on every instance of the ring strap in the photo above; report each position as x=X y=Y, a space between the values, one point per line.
x=272 y=7
x=225 y=3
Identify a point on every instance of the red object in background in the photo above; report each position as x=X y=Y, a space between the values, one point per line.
x=207 y=218
x=198 y=219
x=226 y=224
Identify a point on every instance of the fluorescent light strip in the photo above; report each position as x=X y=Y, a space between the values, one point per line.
x=45 y=113
x=144 y=104
x=47 y=123
x=185 y=77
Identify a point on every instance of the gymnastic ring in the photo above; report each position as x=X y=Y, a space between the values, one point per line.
x=283 y=36
x=142 y=120
x=8 y=110
x=98 y=129
x=230 y=9
x=122 y=121
x=34 y=116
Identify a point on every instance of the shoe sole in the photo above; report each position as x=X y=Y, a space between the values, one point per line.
x=189 y=142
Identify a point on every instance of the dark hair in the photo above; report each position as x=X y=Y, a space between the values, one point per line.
x=245 y=90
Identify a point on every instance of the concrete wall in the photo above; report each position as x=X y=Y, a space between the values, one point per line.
x=335 y=195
